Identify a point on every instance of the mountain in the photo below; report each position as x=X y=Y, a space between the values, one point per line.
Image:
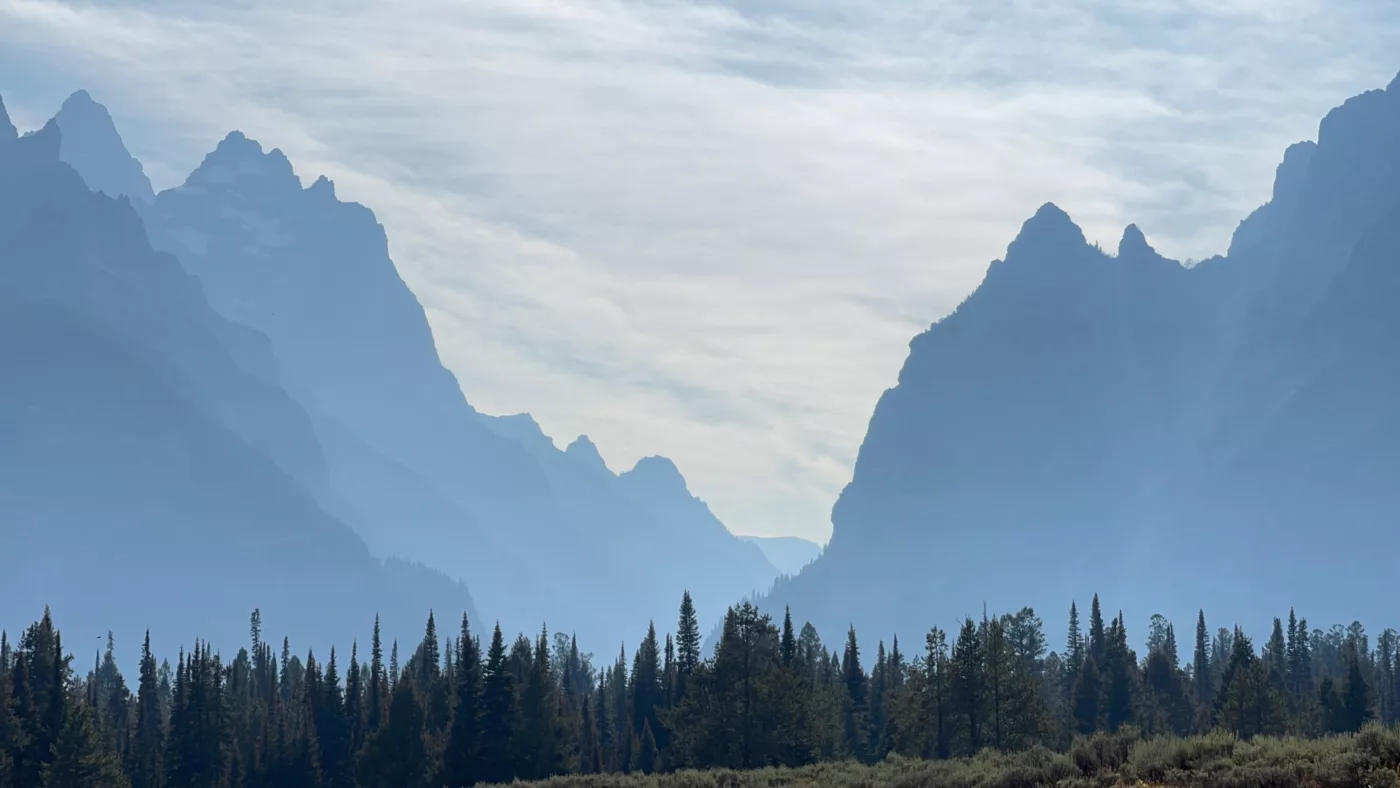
x=92 y=147
x=147 y=452
x=788 y=553
x=311 y=305
x=1168 y=437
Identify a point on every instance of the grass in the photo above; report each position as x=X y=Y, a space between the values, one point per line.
x=1370 y=759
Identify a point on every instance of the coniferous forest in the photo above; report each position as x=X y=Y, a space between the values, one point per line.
x=463 y=707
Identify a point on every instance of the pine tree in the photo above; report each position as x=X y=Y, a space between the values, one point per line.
x=499 y=715
x=378 y=684
x=148 y=744
x=462 y=759
x=967 y=686
x=687 y=644
x=1205 y=681
x=541 y=736
x=789 y=644
x=856 y=701
x=1097 y=641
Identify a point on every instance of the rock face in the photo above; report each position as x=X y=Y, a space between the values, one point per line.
x=1170 y=438
x=310 y=301
x=147 y=451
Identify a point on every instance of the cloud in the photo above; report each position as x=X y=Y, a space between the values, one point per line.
x=709 y=230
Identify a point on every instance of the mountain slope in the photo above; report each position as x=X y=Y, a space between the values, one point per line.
x=1167 y=437
x=137 y=452
x=406 y=460
x=788 y=554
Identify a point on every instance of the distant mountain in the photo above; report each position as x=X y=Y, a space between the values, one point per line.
x=147 y=451
x=788 y=553
x=1169 y=437
x=91 y=145
x=541 y=535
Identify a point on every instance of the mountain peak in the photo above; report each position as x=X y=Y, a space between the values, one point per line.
x=7 y=129
x=659 y=474
x=92 y=146
x=238 y=155
x=326 y=186
x=583 y=450
x=1134 y=244
x=1050 y=229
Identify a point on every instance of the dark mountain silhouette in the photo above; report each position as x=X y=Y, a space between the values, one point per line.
x=787 y=553
x=400 y=454
x=1168 y=437
x=145 y=446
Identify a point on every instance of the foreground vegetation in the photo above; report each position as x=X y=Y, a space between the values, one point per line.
x=771 y=705
x=1216 y=760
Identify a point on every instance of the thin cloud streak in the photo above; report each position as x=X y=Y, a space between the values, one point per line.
x=709 y=230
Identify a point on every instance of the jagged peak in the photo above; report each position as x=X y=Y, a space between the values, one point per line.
x=93 y=147
x=658 y=474
x=1394 y=84
x=237 y=154
x=584 y=450
x=80 y=99
x=325 y=186
x=8 y=131
x=1134 y=244
x=1049 y=229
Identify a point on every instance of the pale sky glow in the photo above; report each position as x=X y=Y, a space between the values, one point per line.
x=709 y=230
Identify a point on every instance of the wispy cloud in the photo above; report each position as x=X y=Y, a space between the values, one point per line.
x=709 y=230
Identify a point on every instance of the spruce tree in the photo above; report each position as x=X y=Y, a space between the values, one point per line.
x=80 y=759
x=687 y=644
x=378 y=684
x=856 y=702
x=499 y=715
x=395 y=756
x=461 y=761
x=1205 y=682
x=1097 y=641
x=148 y=742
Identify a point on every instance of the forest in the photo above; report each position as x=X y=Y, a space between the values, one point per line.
x=460 y=708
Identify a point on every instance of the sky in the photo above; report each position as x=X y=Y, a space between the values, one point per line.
x=709 y=230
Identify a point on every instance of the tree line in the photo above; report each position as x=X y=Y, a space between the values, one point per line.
x=458 y=710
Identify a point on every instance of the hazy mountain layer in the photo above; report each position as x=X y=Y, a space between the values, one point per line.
x=146 y=451
x=1168 y=437
x=787 y=553
x=399 y=453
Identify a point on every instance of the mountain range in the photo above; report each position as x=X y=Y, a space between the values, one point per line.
x=1223 y=435
x=227 y=385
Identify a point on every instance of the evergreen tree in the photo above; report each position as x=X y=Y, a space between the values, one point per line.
x=541 y=742
x=1087 y=690
x=148 y=742
x=1097 y=641
x=462 y=759
x=499 y=715
x=967 y=685
x=1205 y=681
x=80 y=759
x=856 y=708
x=590 y=754
x=1356 y=696
x=687 y=644
x=395 y=755
x=789 y=643
x=378 y=683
